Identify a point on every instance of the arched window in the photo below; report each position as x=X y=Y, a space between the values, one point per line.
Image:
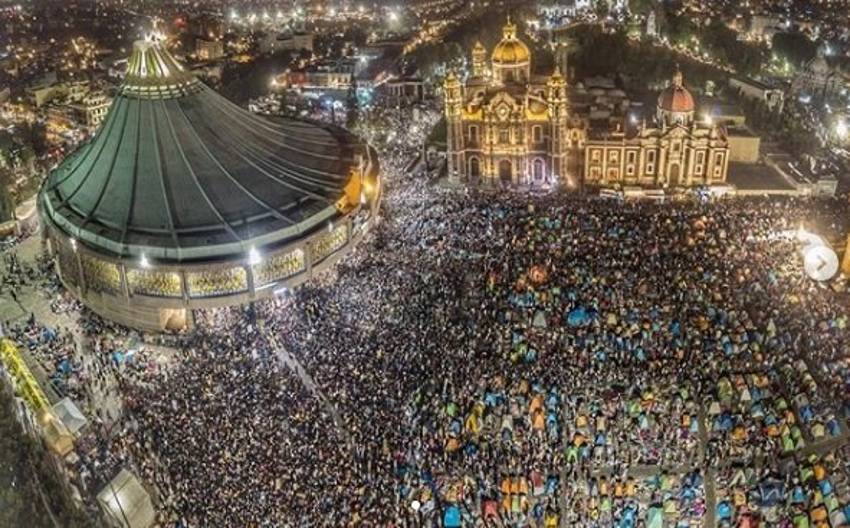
x=474 y=168
x=538 y=170
x=473 y=134
x=537 y=134
x=505 y=172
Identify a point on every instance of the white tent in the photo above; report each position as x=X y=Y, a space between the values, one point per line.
x=126 y=502
x=70 y=415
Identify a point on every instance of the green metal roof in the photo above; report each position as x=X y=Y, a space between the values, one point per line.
x=177 y=172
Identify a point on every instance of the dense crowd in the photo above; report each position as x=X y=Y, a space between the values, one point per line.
x=524 y=361
x=510 y=360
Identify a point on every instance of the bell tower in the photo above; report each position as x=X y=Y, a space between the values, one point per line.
x=454 y=125
x=479 y=61
x=558 y=115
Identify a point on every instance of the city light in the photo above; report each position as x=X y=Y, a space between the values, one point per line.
x=254 y=256
x=483 y=172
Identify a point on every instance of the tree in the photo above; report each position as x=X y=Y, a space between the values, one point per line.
x=601 y=8
x=641 y=7
x=7 y=203
x=795 y=47
x=35 y=134
x=681 y=29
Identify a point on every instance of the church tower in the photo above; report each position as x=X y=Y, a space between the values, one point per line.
x=454 y=125
x=558 y=115
x=479 y=61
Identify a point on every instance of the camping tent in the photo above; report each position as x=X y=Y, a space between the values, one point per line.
x=126 y=503
x=70 y=415
x=451 y=518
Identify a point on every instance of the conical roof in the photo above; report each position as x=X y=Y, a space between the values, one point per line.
x=178 y=172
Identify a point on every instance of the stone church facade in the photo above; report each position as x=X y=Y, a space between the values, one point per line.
x=507 y=127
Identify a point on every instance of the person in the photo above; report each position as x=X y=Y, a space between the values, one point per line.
x=506 y=359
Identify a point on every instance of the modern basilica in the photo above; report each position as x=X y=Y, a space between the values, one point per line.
x=506 y=126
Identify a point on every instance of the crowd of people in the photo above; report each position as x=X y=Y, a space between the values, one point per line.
x=504 y=359
x=526 y=361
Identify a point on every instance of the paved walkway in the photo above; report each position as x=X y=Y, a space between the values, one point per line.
x=286 y=358
x=32 y=300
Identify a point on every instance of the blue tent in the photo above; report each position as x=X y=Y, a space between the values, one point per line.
x=771 y=493
x=724 y=510
x=798 y=496
x=675 y=328
x=833 y=427
x=451 y=517
x=628 y=518
x=65 y=367
x=552 y=401
x=579 y=317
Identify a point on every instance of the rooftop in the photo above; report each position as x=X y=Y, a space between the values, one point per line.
x=178 y=172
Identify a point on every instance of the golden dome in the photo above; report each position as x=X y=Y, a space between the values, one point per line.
x=676 y=98
x=510 y=50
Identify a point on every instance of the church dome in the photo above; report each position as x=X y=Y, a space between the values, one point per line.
x=676 y=98
x=510 y=50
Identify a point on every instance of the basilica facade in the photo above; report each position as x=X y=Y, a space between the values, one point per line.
x=506 y=126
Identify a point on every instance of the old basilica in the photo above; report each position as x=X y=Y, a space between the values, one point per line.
x=506 y=126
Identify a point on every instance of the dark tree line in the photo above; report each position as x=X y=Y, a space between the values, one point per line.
x=796 y=48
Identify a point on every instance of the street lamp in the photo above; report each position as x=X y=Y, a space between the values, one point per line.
x=841 y=130
x=254 y=256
